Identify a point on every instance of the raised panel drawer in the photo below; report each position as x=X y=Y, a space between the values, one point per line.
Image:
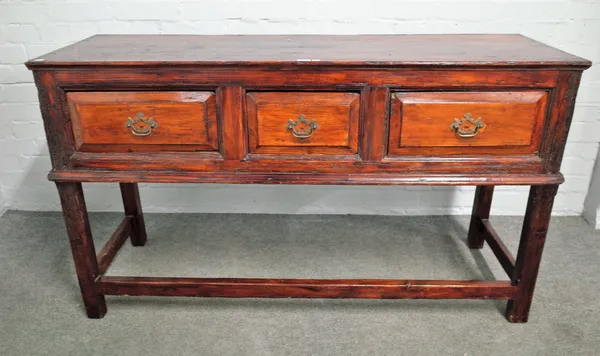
x=307 y=123
x=144 y=121
x=466 y=123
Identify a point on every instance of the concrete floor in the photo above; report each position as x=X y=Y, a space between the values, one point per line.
x=41 y=311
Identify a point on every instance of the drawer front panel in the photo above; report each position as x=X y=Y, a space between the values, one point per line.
x=144 y=121
x=467 y=123
x=303 y=123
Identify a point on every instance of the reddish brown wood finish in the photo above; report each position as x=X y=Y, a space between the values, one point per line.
x=559 y=122
x=300 y=77
x=133 y=211
x=330 y=178
x=306 y=288
x=244 y=86
x=533 y=237
x=234 y=141
x=506 y=259
x=186 y=121
x=481 y=210
x=335 y=116
x=260 y=163
x=112 y=246
x=59 y=131
x=374 y=131
x=234 y=137
x=397 y=50
x=512 y=122
x=82 y=246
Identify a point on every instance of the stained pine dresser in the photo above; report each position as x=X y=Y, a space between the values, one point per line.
x=480 y=110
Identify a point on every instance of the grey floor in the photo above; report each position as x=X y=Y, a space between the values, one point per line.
x=41 y=311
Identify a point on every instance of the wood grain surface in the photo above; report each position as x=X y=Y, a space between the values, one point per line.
x=403 y=50
x=384 y=106
x=512 y=122
x=336 y=116
x=306 y=288
x=186 y=121
x=305 y=178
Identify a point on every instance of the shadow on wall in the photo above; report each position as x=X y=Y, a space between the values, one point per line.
x=32 y=191
x=591 y=207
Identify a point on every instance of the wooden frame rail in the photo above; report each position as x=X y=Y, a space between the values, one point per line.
x=506 y=259
x=517 y=290
x=114 y=244
x=302 y=288
x=304 y=178
x=305 y=288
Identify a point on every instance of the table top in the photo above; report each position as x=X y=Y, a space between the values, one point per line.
x=334 y=50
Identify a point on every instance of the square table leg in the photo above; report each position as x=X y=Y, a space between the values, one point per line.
x=133 y=208
x=481 y=210
x=82 y=246
x=533 y=236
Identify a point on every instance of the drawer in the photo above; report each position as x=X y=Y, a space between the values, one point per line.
x=144 y=121
x=320 y=123
x=466 y=123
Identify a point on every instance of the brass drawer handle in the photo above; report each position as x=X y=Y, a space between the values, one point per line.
x=306 y=131
x=141 y=130
x=467 y=127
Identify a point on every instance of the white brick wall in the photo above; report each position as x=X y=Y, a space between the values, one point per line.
x=31 y=28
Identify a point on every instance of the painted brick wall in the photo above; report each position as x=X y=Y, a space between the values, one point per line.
x=32 y=28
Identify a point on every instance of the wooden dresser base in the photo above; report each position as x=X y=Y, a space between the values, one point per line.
x=478 y=110
x=518 y=290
